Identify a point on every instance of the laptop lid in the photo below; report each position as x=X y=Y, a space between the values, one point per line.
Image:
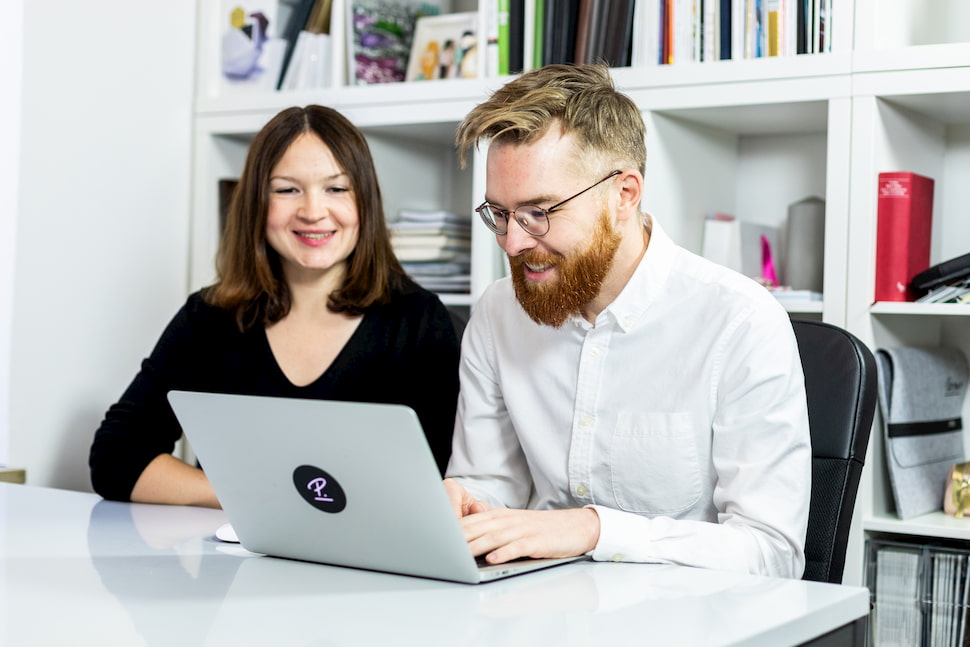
x=343 y=483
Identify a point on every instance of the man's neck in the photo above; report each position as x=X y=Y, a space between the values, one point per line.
x=625 y=263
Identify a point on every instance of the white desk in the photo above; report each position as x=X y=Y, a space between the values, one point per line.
x=76 y=570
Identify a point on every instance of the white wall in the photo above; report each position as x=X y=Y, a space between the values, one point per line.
x=11 y=53
x=102 y=226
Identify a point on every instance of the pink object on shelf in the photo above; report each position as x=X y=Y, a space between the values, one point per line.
x=768 y=275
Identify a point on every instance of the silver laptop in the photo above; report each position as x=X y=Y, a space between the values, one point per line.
x=341 y=483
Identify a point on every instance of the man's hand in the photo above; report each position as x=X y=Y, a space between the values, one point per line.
x=503 y=535
x=463 y=503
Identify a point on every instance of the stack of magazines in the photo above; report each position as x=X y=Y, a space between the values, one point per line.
x=435 y=248
x=958 y=292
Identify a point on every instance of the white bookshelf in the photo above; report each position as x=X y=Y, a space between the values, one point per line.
x=911 y=111
x=747 y=137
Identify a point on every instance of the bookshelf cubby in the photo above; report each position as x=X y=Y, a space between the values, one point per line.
x=746 y=136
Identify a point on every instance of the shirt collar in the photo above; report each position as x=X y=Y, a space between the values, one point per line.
x=647 y=281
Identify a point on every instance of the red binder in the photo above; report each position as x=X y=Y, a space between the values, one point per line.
x=905 y=218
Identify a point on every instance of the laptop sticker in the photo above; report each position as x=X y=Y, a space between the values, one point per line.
x=319 y=489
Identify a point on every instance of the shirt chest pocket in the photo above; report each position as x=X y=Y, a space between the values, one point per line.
x=654 y=463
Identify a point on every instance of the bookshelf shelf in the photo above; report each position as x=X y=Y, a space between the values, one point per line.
x=915 y=57
x=804 y=307
x=759 y=69
x=918 y=309
x=932 y=525
x=937 y=94
x=747 y=137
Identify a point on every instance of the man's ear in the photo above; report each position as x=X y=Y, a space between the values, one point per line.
x=630 y=186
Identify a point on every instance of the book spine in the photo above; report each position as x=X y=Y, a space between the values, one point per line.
x=816 y=25
x=791 y=26
x=516 y=36
x=503 y=36
x=682 y=44
x=709 y=30
x=904 y=224
x=725 y=22
x=801 y=21
x=617 y=32
x=538 y=58
x=774 y=27
x=528 y=34
x=666 y=20
x=750 y=29
x=567 y=41
x=596 y=31
x=583 y=18
x=544 y=41
x=696 y=31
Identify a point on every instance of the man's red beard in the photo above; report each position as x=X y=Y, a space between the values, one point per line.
x=580 y=277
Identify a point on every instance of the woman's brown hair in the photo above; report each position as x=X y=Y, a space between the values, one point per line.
x=250 y=279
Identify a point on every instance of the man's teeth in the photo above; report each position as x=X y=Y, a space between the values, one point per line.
x=537 y=268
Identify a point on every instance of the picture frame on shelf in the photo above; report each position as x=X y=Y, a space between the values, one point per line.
x=444 y=47
x=381 y=33
x=250 y=49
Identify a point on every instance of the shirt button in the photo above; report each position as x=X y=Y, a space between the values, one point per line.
x=594 y=352
x=617 y=558
x=581 y=490
x=585 y=421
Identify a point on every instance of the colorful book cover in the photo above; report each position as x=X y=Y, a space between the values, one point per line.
x=383 y=32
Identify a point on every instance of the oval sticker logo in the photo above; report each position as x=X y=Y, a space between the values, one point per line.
x=319 y=489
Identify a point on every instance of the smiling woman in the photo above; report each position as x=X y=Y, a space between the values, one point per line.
x=312 y=221
x=310 y=302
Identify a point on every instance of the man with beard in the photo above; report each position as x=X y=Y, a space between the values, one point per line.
x=620 y=396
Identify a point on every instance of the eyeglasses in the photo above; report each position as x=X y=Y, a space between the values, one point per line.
x=534 y=220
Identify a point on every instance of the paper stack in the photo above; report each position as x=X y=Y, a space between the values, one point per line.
x=957 y=292
x=435 y=248
x=948 y=602
x=920 y=594
x=897 y=618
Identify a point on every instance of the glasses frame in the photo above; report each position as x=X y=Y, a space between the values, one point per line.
x=484 y=208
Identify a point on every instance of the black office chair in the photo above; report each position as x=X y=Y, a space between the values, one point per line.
x=840 y=384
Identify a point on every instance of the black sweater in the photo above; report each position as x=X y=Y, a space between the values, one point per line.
x=403 y=352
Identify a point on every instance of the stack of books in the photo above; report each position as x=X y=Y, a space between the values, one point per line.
x=435 y=248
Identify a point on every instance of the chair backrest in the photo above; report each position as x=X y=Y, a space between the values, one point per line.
x=840 y=385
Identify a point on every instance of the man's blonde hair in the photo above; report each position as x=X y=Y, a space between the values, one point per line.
x=606 y=124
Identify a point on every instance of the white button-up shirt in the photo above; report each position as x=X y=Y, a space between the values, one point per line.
x=680 y=416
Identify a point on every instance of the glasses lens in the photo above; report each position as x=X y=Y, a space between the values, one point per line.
x=494 y=219
x=533 y=219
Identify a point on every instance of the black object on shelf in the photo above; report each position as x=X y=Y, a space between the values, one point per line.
x=943 y=273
